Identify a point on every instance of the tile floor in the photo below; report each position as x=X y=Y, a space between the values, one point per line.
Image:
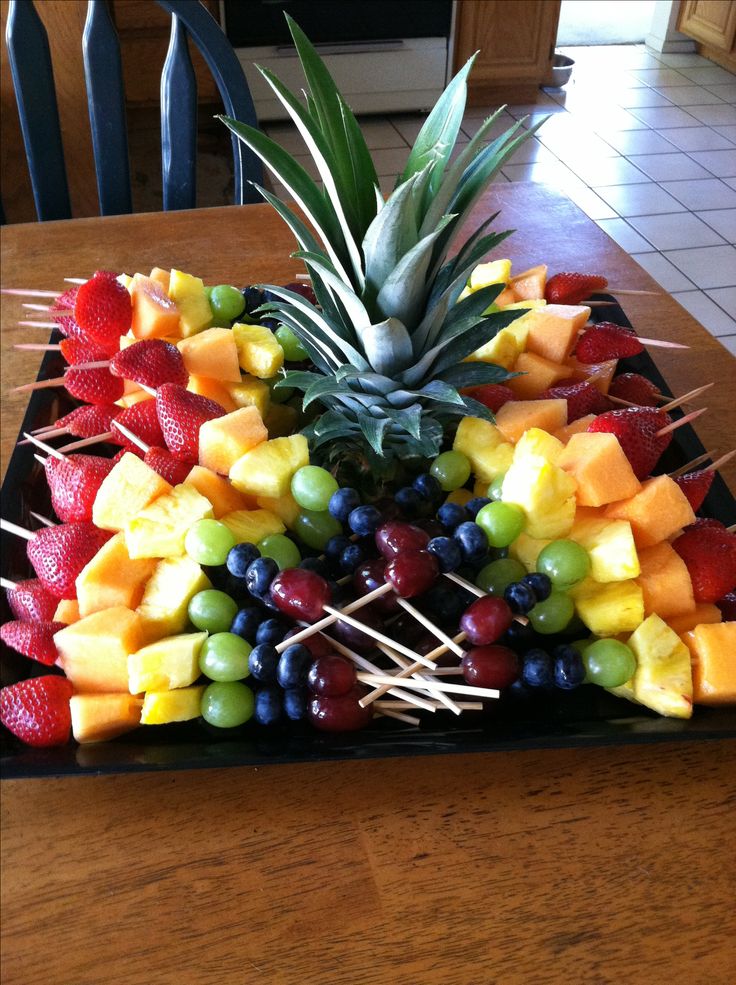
x=645 y=144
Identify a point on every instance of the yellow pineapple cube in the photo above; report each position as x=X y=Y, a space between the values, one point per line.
x=194 y=308
x=159 y=530
x=163 y=610
x=130 y=487
x=477 y=439
x=527 y=549
x=663 y=680
x=162 y=707
x=544 y=492
x=535 y=441
x=493 y=272
x=166 y=664
x=610 y=546
x=259 y=352
x=503 y=350
x=224 y=440
x=93 y=652
x=285 y=507
x=609 y=609
x=267 y=469
x=251 y=392
x=251 y=526
x=112 y=578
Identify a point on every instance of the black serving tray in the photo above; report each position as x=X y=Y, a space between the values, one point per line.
x=587 y=717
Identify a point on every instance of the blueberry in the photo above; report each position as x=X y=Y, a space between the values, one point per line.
x=520 y=597
x=270 y=323
x=451 y=515
x=569 y=670
x=315 y=564
x=263 y=661
x=343 y=502
x=447 y=551
x=428 y=487
x=351 y=557
x=294 y=664
x=269 y=707
x=537 y=669
x=520 y=637
x=473 y=506
x=472 y=540
x=364 y=520
x=253 y=298
x=443 y=605
x=295 y=703
x=240 y=557
x=539 y=584
x=336 y=545
x=271 y=631
x=259 y=576
x=246 y=622
x=409 y=501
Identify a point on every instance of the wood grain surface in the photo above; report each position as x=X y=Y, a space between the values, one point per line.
x=600 y=866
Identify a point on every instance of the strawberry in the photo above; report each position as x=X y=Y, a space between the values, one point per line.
x=30 y=601
x=571 y=288
x=635 y=388
x=32 y=639
x=181 y=414
x=89 y=420
x=68 y=299
x=68 y=326
x=492 y=395
x=74 y=484
x=150 y=362
x=696 y=486
x=167 y=466
x=77 y=351
x=103 y=308
x=37 y=710
x=607 y=341
x=582 y=399
x=709 y=554
x=636 y=429
x=142 y=420
x=94 y=386
x=59 y=553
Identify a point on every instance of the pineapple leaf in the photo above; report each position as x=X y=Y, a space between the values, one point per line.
x=389 y=236
x=374 y=430
x=320 y=354
x=329 y=386
x=408 y=418
x=364 y=171
x=359 y=318
x=403 y=293
x=297 y=378
x=303 y=236
x=437 y=390
x=474 y=374
x=471 y=339
x=387 y=346
x=476 y=409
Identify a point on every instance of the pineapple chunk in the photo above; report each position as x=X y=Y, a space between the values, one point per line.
x=163 y=610
x=99 y=717
x=224 y=440
x=285 y=507
x=477 y=439
x=166 y=664
x=663 y=680
x=251 y=392
x=93 y=652
x=503 y=350
x=162 y=707
x=485 y=274
x=535 y=441
x=544 y=492
x=267 y=469
x=259 y=352
x=607 y=610
x=159 y=530
x=188 y=292
x=610 y=546
x=129 y=487
x=251 y=526
x=111 y=578
x=224 y=497
x=527 y=549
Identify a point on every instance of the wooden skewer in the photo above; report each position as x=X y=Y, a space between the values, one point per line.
x=32 y=439
x=465 y=583
x=36 y=347
x=40 y=385
x=405 y=671
x=449 y=643
x=23 y=292
x=13 y=528
x=486 y=692
x=41 y=461
x=721 y=461
x=686 y=398
x=623 y=290
x=399 y=716
x=38 y=324
x=42 y=519
x=661 y=344
x=85 y=442
x=465 y=705
x=678 y=424
x=8 y=584
x=317 y=627
x=377 y=635
x=691 y=465
x=37 y=307
x=433 y=654
x=732 y=528
x=132 y=437
x=305 y=277
x=600 y=304
x=621 y=402
x=75 y=280
x=100 y=364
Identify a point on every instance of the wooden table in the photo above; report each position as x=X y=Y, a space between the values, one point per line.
x=610 y=865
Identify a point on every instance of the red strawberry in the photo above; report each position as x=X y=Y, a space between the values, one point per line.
x=37 y=710
x=68 y=326
x=74 y=484
x=68 y=299
x=181 y=414
x=142 y=420
x=696 y=486
x=709 y=554
x=32 y=639
x=582 y=399
x=77 y=351
x=635 y=388
x=103 y=308
x=94 y=386
x=150 y=362
x=492 y=395
x=167 y=466
x=727 y=605
x=30 y=601
x=636 y=429
x=573 y=288
x=87 y=421
x=59 y=553
x=607 y=341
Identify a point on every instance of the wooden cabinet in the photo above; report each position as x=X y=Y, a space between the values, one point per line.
x=516 y=41
x=712 y=23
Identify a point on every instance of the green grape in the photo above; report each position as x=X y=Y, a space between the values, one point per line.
x=564 y=562
x=227 y=704
x=224 y=657
x=496 y=487
x=312 y=487
x=552 y=615
x=227 y=302
x=451 y=469
x=498 y=575
x=294 y=351
x=609 y=663
x=208 y=293
x=502 y=522
x=212 y=610
x=279 y=394
x=314 y=528
x=208 y=542
x=282 y=549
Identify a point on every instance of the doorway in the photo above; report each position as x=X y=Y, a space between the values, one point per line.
x=600 y=22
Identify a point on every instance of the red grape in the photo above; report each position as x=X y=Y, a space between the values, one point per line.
x=342 y=714
x=370 y=576
x=393 y=537
x=300 y=594
x=331 y=676
x=485 y=620
x=491 y=666
x=412 y=573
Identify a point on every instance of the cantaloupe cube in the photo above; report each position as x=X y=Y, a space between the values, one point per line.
x=663 y=678
x=223 y=495
x=280 y=420
x=224 y=440
x=664 y=581
x=656 y=512
x=251 y=526
x=544 y=492
x=530 y=283
x=213 y=390
x=609 y=609
x=538 y=374
x=553 y=331
x=251 y=392
x=535 y=441
x=162 y=707
x=600 y=468
x=599 y=374
x=527 y=549
x=67 y=611
x=112 y=578
x=166 y=664
x=162 y=277
x=284 y=507
x=713 y=649
x=211 y=353
x=155 y=315
x=577 y=427
x=99 y=717
x=163 y=610
x=259 y=352
x=517 y=416
x=610 y=546
x=130 y=486
x=159 y=530
x=476 y=438
x=704 y=612
x=93 y=652
x=266 y=470
x=194 y=308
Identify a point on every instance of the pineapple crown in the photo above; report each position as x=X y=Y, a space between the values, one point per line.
x=389 y=337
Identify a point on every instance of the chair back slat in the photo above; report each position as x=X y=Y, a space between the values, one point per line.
x=35 y=93
x=179 y=122
x=103 y=72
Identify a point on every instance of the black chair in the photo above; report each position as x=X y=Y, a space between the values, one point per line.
x=33 y=79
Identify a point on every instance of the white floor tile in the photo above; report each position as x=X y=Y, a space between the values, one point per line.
x=629 y=98
x=533 y=150
x=726 y=92
x=670 y=167
x=665 y=117
x=565 y=136
x=664 y=272
x=725 y=297
x=630 y=142
x=668 y=232
x=612 y=117
x=639 y=199
x=712 y=266
x=697 y=138
x=722 y=114
x=707 y=74
x=729 y=341
x=606 y=170
x=690 y=95
x=728 y=131
x=731 y=182
x=626 y=237
x=587 y=200
x=680 y=59
x=657 y=77
x=704 y=193
x=723 y=221
x=549 y=173
x=721 y=163
x=710 y=316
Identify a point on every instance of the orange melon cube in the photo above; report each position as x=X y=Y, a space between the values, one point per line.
x=162 y=277
x=99 y=717
x=212 y=353
x=530 y=284
x=205 y=386
x=223 y=495
x=93 y=652
x=67 y=611
x=517 y=416
x=224 y=440
x=704 y=612
x=154 y=313
x=713 y=650
x=111 y=578
x=553 y=331
x=599 y=374
x=538 y=374
x=600 y=468
x=655 y=513
x=664 y=581
x=577 y=427
x=506 y=297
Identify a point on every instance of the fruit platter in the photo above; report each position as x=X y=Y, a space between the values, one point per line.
x=414 y=502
